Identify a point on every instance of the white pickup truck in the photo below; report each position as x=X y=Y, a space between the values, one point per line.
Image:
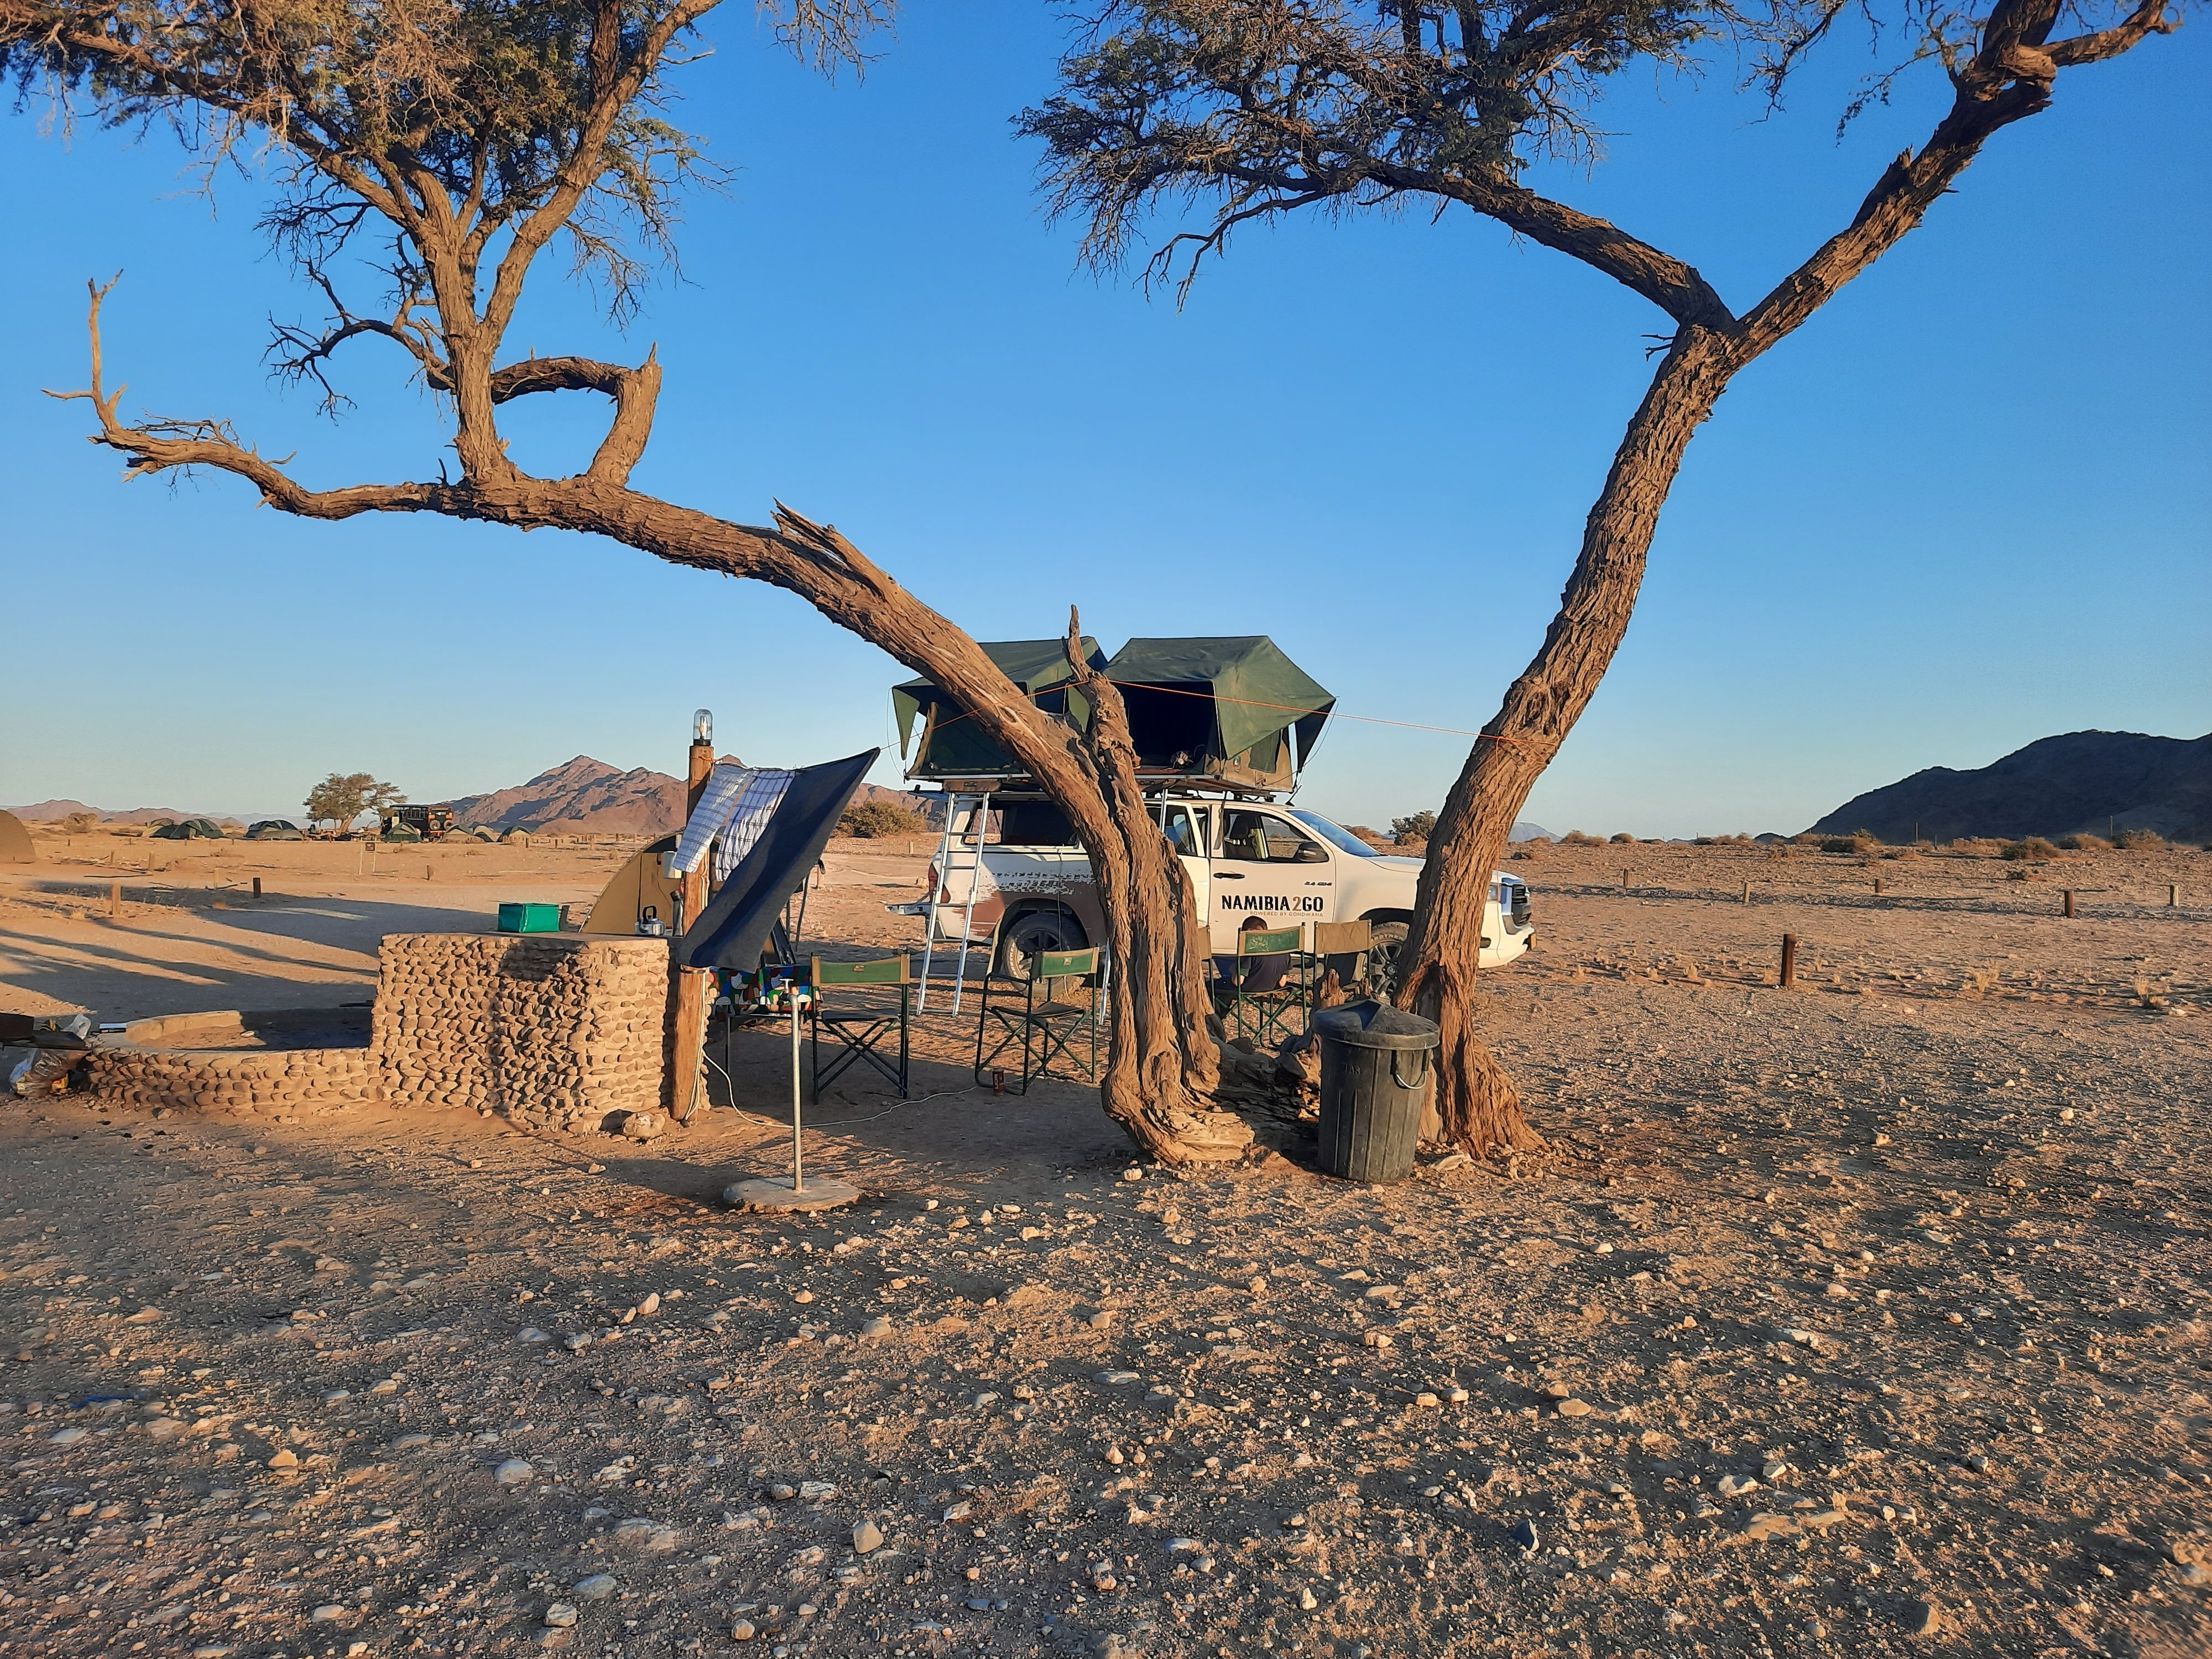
x=1033 y=889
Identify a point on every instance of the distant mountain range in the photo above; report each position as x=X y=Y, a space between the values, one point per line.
x=54 y=812
x=2092 y=781
x=584 y=796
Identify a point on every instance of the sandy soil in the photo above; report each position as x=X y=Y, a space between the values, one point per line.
x=1884 y=1297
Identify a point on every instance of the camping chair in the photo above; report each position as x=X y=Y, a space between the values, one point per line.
x=1339 y=945
x=859 y=1030
x=1267 y=1012
x=1044 y=1029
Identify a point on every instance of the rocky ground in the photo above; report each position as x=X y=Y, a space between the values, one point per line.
x=1865 y=1318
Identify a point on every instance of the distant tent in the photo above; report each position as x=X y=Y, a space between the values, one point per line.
x=1233 y=707
x=16 y=846
x=621 y=904
x=189 y=830
x=951 y=745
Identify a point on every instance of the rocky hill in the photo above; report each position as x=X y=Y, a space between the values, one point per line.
x=583 y=796
x=54 y=812
x=2094 y=782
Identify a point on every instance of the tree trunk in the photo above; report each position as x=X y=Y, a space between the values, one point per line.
x=1479 y=1107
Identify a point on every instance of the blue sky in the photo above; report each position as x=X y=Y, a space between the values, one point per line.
x=1964 y=507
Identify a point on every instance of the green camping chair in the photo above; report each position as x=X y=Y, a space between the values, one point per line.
x=1258 y=1003
x=858 y=1030
x=1044 y=1031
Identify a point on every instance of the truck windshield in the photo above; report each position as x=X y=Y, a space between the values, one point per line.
x=1335 y=834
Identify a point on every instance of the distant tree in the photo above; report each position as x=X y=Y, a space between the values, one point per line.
x=1253 y=109
x=434 y=149
x=873 y=820
x=1415 y=826
x=344 y=796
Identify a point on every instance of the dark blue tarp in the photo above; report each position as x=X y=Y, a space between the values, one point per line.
x=734 y=930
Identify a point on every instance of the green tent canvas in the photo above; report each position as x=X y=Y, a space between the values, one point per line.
x=1232 y=708
x=950 y=745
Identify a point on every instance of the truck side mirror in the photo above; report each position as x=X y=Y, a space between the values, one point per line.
x=1310 y=854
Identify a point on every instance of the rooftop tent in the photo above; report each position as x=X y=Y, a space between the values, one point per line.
x=953 y=746
x=16 y=846
x=1230 y=708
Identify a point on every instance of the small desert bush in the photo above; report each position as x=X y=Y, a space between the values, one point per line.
x=2082 y=843
x=1576 y=838
x=2139 y=840
x=875 y=820
x=1859 y=840
x=1624 y=839
x=2033 y=849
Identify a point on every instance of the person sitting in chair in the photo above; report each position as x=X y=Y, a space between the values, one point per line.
x=1261 y=972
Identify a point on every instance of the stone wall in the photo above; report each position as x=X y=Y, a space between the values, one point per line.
x=265 y=1081
x=557 y=1031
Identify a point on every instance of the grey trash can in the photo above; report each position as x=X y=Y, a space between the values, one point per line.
x=1378 y=1072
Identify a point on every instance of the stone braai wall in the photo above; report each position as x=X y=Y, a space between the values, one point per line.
x=553 y=1029
x=270 y=1082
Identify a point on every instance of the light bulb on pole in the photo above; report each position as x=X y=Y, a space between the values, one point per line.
x=703 y=725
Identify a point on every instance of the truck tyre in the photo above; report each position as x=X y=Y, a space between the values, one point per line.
x=1023 y=939
x=1386 y=941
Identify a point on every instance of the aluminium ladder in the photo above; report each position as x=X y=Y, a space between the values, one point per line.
x=942 y=898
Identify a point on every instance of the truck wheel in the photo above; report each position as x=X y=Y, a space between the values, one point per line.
x=1387 y=939
x=1023 y=939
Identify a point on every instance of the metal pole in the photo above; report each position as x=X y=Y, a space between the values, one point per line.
x=797 y=1175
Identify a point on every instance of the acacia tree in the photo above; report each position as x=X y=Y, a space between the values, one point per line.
x=447 y=145
x=1253 y=109
x=344 y=796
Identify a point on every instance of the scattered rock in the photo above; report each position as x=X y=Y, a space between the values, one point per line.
x=596 y=1587
x=329 y=1613
x=743 y=1630
x=1736 y=1486
x=644 y=1126
x=650 y=1537
x=867 y=1538
x=1525 y=1534
x=286 y=1458
x=877 y=1326
x=1572 y=1407
x=1765 y=1525
x=1922 y=1618
x=67 y=1436
x=560 y=1616
x=515 y=1472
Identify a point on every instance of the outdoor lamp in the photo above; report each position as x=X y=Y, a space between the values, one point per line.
x=703 y=725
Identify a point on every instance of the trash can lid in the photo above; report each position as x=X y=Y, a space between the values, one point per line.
x=1372 y=1024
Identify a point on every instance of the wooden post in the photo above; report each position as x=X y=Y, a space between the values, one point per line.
x=690 y=1031
x=1877 y=886
x=2069 y=901
x=2173 y=894
x=1623 y=876
x=256 y=887
x=1746 y=890
x=115 y=901
x=1788 y=960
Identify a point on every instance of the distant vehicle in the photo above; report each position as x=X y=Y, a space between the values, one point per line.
x=419 y=823
x=275 y=829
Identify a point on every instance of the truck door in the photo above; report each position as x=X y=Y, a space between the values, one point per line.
x=1269 y=867
x=1189 y=828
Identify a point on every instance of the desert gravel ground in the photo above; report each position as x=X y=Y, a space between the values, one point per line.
x=1865 y=1317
